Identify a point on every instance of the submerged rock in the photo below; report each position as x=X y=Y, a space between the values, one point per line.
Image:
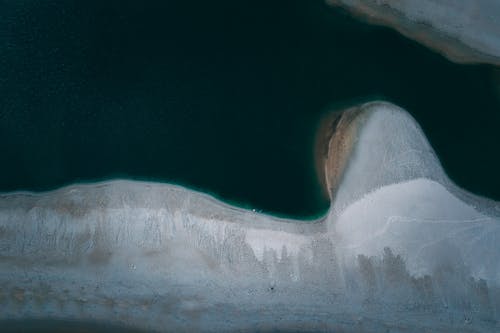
x=402 y=249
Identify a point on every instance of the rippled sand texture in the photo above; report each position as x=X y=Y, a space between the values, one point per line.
x=402 y=249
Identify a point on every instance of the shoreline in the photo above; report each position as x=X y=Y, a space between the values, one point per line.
x=447 y=43
x=157 y=256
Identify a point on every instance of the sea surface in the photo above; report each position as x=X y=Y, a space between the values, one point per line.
x=60 y=326
x=220 y=96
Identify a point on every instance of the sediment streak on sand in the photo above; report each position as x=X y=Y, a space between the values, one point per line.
x=334 y=143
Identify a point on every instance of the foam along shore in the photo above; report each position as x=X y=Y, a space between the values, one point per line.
x=463 y=31
x=402 y=249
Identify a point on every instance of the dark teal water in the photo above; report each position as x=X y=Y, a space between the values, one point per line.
x=60 y=326
x=219 y=96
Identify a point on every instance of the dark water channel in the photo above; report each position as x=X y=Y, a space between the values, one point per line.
x=220 y=96
x=60 y=326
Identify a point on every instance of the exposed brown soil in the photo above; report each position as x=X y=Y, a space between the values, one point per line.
x=334 y=142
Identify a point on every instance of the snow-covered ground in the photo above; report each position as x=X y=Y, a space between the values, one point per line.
x=402 y=249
